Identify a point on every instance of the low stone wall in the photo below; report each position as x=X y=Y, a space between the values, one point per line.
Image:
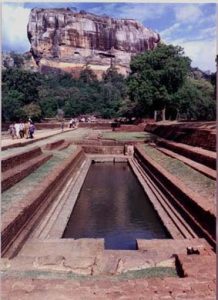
x=54 y=145
x=11 y=177
x=189 y=134
x=203 y=157
x=131 y=128
x=201 y=218
x=23 y=212
x=106 y=142
x=94 y=125
x=18 y=159
x=94 y=149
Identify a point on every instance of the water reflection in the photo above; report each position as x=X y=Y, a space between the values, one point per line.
x=112 y=205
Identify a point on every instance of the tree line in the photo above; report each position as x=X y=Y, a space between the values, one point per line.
x=160 y=85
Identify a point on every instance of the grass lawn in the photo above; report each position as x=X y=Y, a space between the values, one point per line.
x=122 y=136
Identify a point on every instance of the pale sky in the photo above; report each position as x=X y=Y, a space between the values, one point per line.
x=192 y=26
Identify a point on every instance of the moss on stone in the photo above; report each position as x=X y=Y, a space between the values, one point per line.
x=155 y=272
x=22 y=188
x=194 y=180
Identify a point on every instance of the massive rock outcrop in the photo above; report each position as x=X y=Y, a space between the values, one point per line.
x=69 y=40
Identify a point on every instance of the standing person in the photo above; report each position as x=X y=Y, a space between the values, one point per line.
x=76 y=122
x=26 y=129
x=31 y=130
x=12 y=131
x=62 y=125
x=17 y=130
x=21 y=129
x=71 y=123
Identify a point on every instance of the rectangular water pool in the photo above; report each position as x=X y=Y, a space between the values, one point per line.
x=113 y=205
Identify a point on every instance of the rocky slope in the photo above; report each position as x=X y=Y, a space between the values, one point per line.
x=63 y=39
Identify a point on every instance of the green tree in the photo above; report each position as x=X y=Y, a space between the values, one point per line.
x=87 y=75
x=155 y=76
x=117 y=80
x=33 y=111
x=213 y=82
x=195 y=100
x=12 y=103
x=23 y=82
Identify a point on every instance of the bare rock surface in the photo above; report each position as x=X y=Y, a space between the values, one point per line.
x=68 y=40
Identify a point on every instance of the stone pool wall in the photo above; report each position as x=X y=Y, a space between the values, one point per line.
x=190 y=204
x=20 y=214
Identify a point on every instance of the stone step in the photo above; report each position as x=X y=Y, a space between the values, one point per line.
x=54 y=145
x=79 y=247
x=176 y=225
x=76 y=253
x=202 y=156
x=52 y=226
x=102 y=264
x=197 y=166
x=86 y=257
x=198 y=211
x=63 y=146
x=22 y=217
x=113 y=262
x=15 y=160
x=172 y=246
x=19 y=172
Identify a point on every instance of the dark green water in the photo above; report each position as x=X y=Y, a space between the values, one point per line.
x=112 y=205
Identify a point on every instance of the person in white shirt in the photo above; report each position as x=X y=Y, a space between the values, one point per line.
x=17 y=129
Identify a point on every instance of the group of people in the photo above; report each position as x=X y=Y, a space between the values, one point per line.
x=84 y=119
x=73 y=123
x=22 y=130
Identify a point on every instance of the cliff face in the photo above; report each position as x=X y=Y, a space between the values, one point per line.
x=68 y=40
